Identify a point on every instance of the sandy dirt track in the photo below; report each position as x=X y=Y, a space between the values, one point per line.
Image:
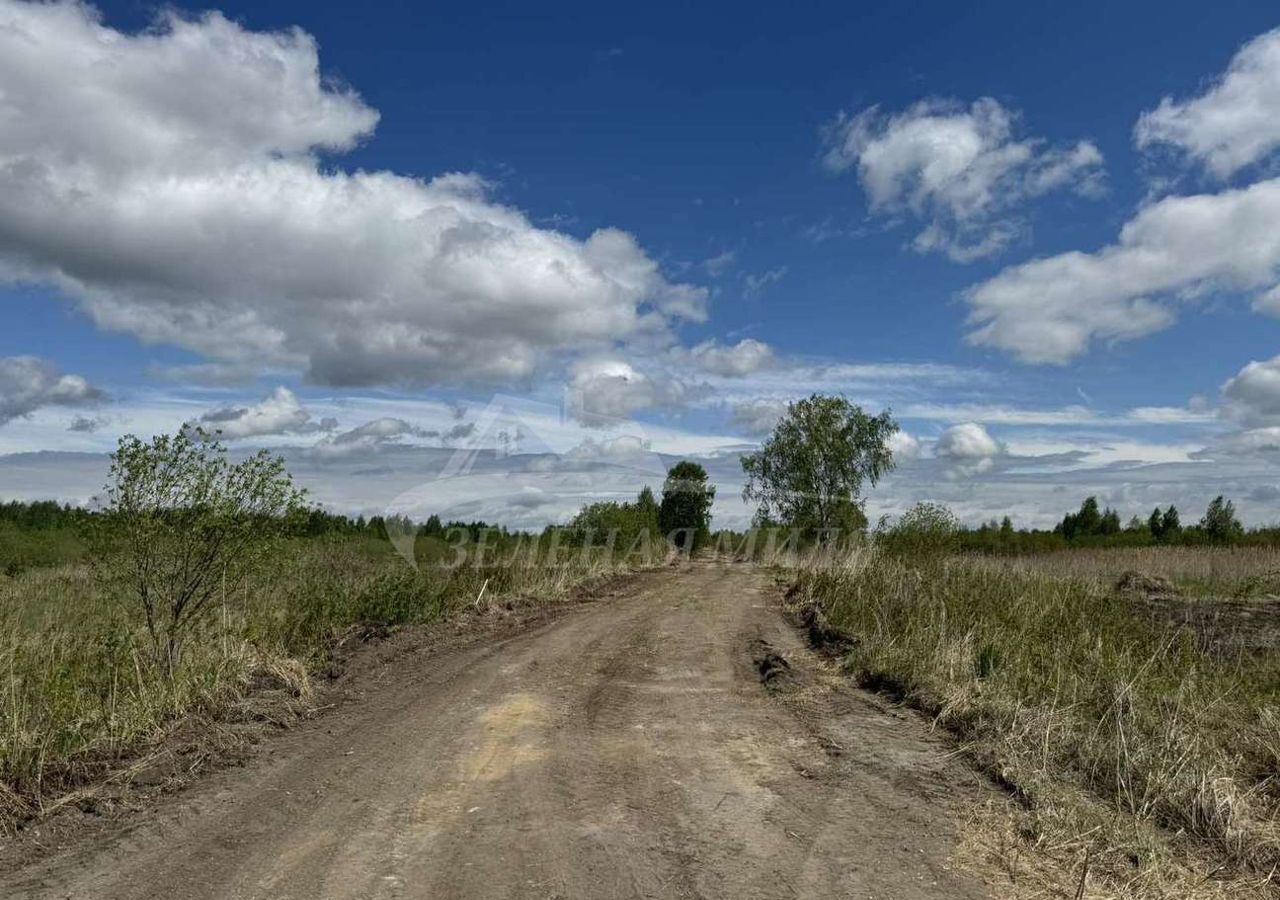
x=626 y=749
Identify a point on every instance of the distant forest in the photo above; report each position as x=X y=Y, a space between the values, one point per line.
x=1094 y=526
x=45 y=532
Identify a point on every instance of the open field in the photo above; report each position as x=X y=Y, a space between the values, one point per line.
x=1124 y=736
x=1227 y=597
x=1127 y=701
x=1221 y=572
x=82 y=692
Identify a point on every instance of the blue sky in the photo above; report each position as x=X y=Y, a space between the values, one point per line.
x=1039 y=234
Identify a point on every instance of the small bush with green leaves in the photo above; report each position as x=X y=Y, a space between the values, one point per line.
x=926 y=530
x=190 y=524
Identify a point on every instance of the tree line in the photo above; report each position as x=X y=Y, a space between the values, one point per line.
x=1093 y=525
x=1218 y=525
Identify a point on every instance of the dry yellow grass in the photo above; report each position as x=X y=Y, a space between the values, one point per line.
x=1221 y=571
x=83 y=690
x=1118 y=736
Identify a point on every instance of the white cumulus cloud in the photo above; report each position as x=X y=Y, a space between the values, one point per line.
x=1235 y=123
x=758 y=417
x=903 y=446
x=27 y=383
x=961 y=169
x=1051 y=310
x=370 y=437
x=278 y=413
x=743 y=358
x=1171 y=251
x=970 y=448
x=169 y=181
x=1252 y=396
x=604 y=390
x=1268 y=302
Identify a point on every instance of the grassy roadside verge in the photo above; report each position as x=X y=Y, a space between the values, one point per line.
x=81 y=695
x=1124 y=742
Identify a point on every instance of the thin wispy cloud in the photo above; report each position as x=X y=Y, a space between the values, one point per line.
x=720 y=263
x=755 y=283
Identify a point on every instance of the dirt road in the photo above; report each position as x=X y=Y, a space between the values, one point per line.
x=626 y=749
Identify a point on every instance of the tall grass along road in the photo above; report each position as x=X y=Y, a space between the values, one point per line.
x=677 y=740
x=1133 y=715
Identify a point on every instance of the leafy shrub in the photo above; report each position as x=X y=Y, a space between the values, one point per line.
x=191 y=525
x=925 y=530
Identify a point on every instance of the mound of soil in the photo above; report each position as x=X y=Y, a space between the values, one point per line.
x=1221 y=625
x=1146 y=585
x=822 y=634
x=774 y=670
x=1227 y=625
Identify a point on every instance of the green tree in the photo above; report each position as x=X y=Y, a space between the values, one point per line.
x=1170 y=526
x=810 y=472
x=1155 y=524
x=1220 y=523
x=1110 y=522
x=1067 y=527
x=647 y=511
x=192 y=525
x=598 y=523
x=849 y=518
x=1089 y=518
x=1087 y=522
x=685 y=511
